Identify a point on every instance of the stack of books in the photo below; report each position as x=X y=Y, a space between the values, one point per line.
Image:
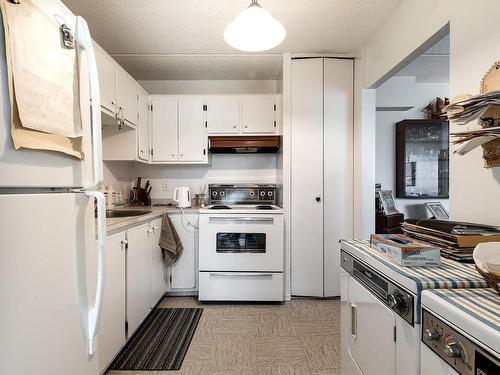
x=456 y=240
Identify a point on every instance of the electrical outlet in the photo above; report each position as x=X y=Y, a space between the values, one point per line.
x=165 y=186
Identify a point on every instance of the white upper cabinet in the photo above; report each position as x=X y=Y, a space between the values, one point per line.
x=258 y=114
x=192 y=135
x=223 y=115
x=127 y=94
x=144 y=149
x=164 y=129
x=107 y=77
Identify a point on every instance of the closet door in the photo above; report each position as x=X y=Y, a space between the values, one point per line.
x=338 y=166
x=307 y=177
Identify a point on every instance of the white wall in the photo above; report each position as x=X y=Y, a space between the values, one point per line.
x=209 y=87
x=385 y=153
x=474 y=37
x=475 y=46
x=251 y=168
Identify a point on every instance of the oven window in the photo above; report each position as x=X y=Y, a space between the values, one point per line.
x=241 y=242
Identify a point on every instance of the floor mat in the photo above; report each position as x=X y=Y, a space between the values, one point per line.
x=161 y=342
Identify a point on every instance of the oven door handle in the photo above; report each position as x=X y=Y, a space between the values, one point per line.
x=240 y=274
x=241 y=219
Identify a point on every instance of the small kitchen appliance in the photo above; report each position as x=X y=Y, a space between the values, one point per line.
x=241 y=244
x=182 y=196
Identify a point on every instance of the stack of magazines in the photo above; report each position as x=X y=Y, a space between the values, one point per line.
x=456 y=240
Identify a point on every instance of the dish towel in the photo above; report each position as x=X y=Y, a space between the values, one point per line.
x=169 y=242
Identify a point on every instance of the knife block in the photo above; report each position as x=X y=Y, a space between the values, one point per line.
x=139 y=197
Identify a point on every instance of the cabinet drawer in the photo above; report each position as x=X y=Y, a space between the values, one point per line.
x=240 y=286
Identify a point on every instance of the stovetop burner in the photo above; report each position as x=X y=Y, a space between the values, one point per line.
x=264 y=207
x=220 y=207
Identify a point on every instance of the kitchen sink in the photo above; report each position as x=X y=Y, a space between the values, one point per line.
x=125 y=213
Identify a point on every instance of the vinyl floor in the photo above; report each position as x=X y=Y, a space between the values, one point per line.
x=298 y=337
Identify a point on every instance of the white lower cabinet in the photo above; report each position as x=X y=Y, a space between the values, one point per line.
x=112 y=318
x=158 y=279
x=183 y=272
x=138 y=275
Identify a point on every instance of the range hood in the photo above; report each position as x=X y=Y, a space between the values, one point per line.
x=244 y=144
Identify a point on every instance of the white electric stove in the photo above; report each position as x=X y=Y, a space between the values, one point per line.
x=241 y=244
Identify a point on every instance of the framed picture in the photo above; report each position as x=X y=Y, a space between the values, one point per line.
x=388 y=202
x=437 y=210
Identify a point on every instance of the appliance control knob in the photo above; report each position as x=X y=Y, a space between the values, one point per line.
x=431 y=334
x=214 y=193
x=396 y=302
x=262 y=193
x=222 y=193
x=270 y=193
x=452 y=350
x=252 y=193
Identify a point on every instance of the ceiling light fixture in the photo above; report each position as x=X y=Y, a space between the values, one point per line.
x=254 y=30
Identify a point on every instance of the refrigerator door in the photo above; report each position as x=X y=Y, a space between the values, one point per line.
x=46 y=263
x=45 y=169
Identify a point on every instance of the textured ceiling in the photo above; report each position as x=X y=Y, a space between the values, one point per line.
x=142 y=35
x=431 y=66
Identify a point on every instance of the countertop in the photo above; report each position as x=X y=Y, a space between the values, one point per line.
x=115 y=223
x=475 y=311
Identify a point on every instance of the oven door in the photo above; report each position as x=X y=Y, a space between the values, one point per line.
x=241 y=242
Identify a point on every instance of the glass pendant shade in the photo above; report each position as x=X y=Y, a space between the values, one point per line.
x=254 y=29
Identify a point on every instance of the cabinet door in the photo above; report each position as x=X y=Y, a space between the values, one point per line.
x=144 y=139
x=366 y=339
x=307 y=177
x=158 y=269
x=258 y=114
x=106 y=70
x=183 y=271
x=192 y=134
x=164 y=128
x=112 y=318
x=138 y=276
x=126 y=96
x=223 y=115
x=338 y=165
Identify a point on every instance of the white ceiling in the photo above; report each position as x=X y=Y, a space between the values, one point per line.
x=183 y=39
x=431 y=66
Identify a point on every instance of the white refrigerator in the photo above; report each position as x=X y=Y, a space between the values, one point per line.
x=51 y=244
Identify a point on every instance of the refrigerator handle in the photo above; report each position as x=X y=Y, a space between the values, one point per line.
x=94 y=310
x=84 y=41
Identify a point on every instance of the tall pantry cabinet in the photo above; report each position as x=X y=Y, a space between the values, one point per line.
x=321 y=172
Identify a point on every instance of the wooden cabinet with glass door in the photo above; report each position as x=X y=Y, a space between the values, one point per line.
x=422 y=159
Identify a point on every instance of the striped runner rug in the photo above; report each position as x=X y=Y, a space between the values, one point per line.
x=161 y=342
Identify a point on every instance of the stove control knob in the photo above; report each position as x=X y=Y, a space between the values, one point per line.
x=214 y=193
x=431 y=334
x=262 y=193
x=222 y=193
x=252 y=193
x=452 y=350
x=396 y=302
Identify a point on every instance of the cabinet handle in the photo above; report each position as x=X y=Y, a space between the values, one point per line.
x=155 y=229
x=172 y=155
x=150 y=231
x=234 y=127
x=318 y=199
x=246 y=126
x=181 y=155
x=354 y=320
